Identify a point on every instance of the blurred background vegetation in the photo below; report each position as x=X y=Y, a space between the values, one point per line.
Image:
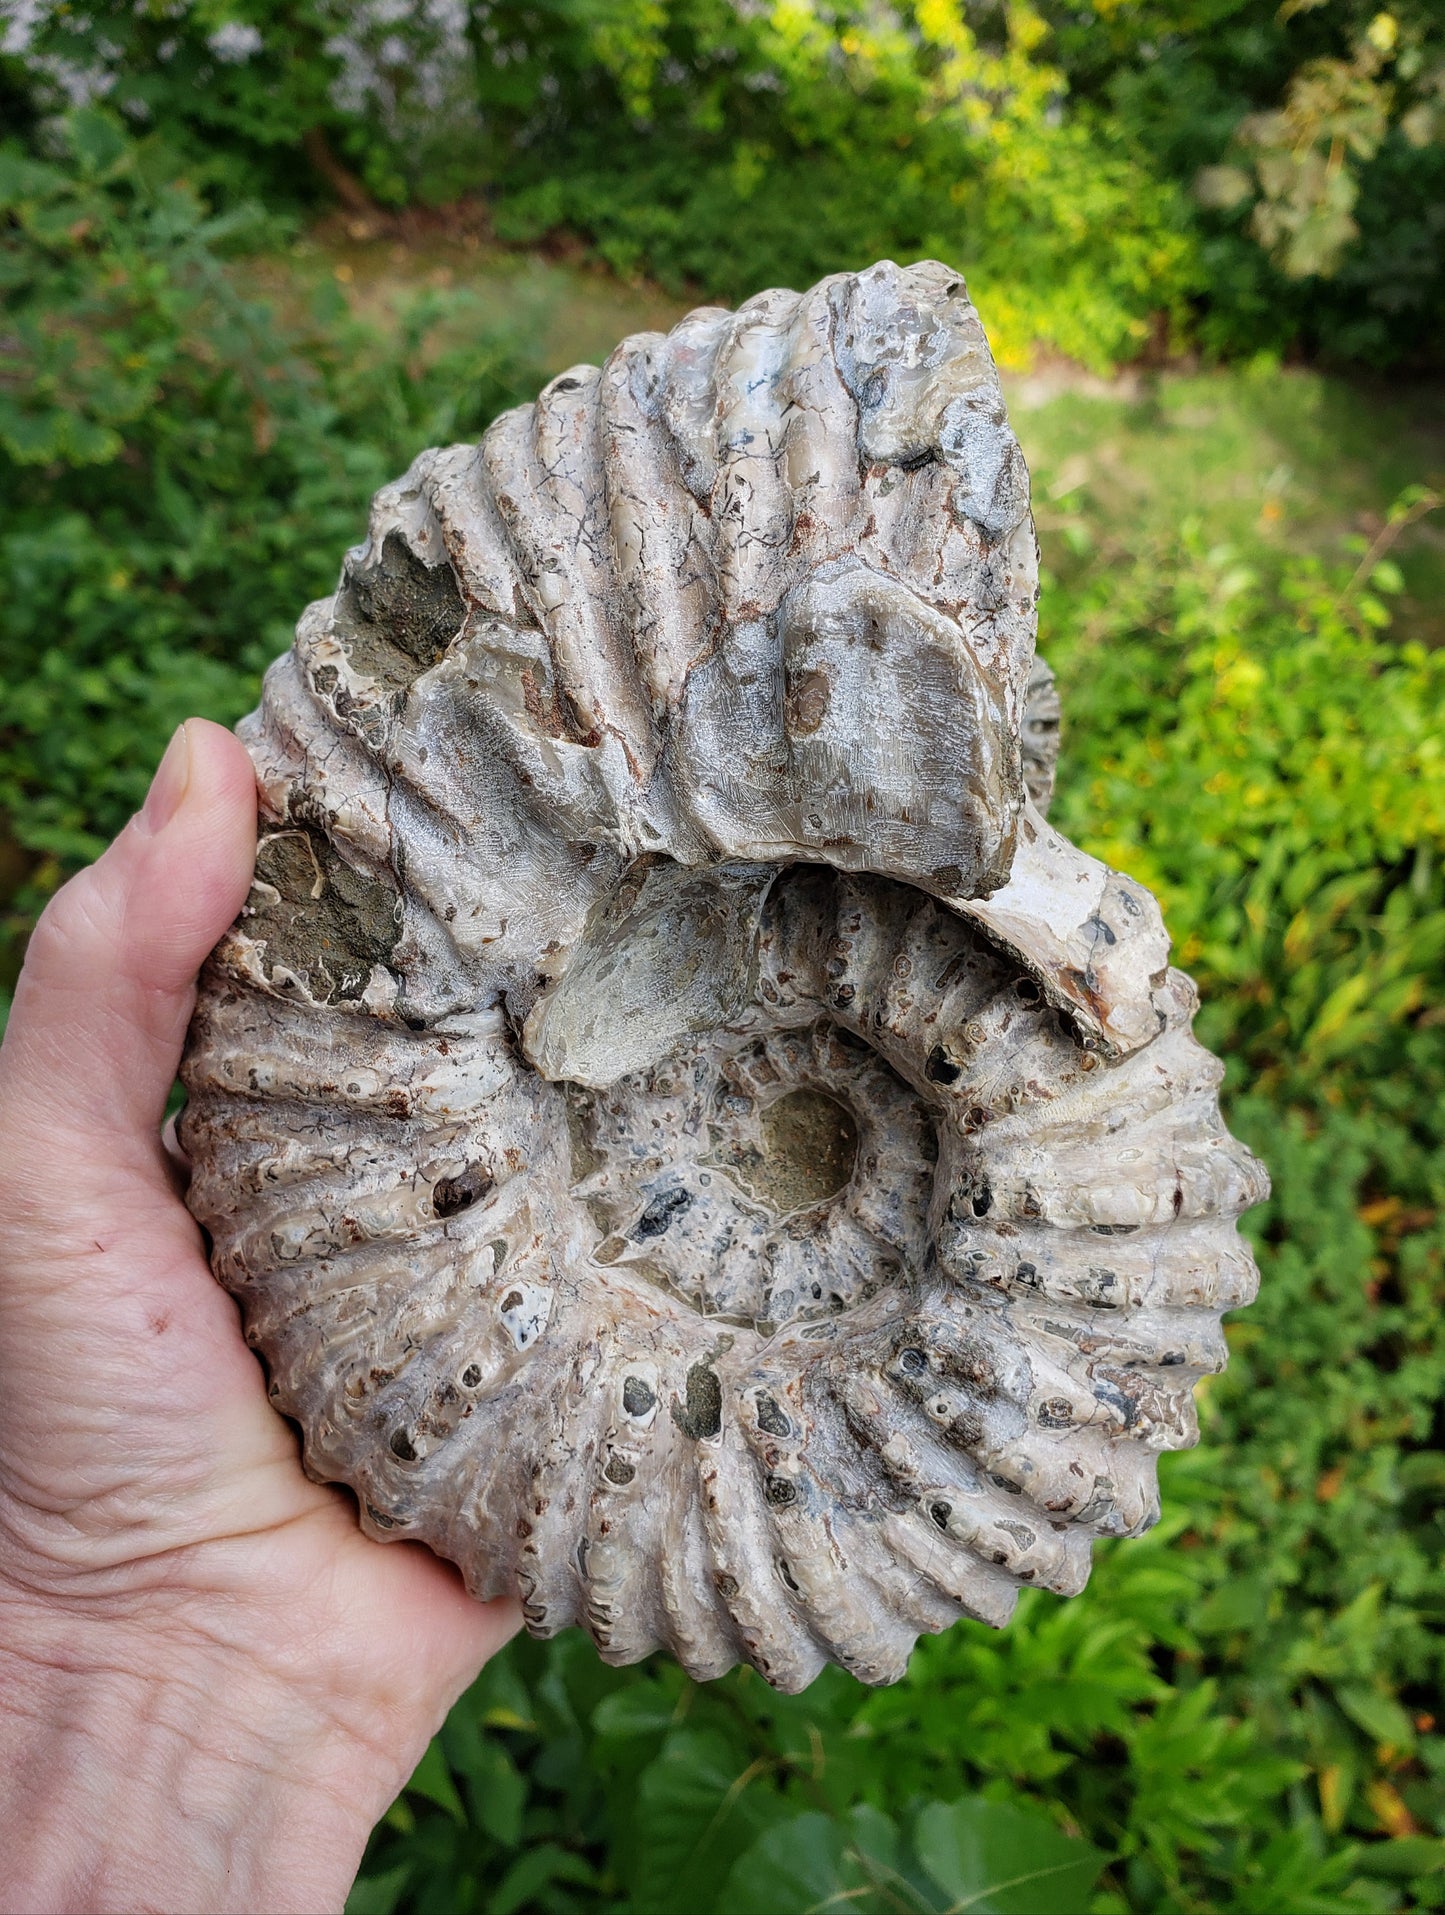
x=256 y=253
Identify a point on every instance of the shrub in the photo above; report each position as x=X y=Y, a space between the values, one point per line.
x=771 y=145
x=1113 y=178
x=179 y=473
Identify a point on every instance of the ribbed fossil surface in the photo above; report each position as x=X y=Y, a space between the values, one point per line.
x=692 y=1144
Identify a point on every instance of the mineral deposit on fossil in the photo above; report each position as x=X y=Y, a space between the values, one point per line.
x=691 y=1143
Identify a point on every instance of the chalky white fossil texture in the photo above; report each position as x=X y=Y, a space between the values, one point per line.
x=691 y=1143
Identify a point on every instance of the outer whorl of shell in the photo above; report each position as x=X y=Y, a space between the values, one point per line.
x=692 y=1144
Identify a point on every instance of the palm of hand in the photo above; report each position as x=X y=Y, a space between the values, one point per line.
x=141 y=1461
x=150 y=1497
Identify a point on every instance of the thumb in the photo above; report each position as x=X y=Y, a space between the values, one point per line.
x=102 y=1005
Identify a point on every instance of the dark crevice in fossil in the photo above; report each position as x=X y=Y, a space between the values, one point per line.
x=810 y=1145
x=637 y=1396
x=940 y=1068
x=397 y=616
x=771 y=1418
x=318 y=916
x=451 y=1194
x=701 y=1415
x=660 y=1211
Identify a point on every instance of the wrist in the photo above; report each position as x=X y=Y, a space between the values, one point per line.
x=147 y=1771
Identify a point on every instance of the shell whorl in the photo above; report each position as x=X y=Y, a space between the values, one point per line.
x=692 y=1144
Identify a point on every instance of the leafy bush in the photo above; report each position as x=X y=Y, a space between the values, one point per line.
x=180 y=474
x=1309 y=137
x=1112 y=177
x=245 y=91
x=1105 y=182
x=767 y=145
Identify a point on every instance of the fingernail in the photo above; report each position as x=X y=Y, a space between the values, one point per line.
x=168 y=787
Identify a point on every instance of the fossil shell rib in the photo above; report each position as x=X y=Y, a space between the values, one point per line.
x=691 y=1142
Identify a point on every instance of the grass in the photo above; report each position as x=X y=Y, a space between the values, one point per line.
x=1278 y=458
x=1282 y=456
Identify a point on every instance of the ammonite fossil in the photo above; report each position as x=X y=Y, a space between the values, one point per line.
x=691 y=1143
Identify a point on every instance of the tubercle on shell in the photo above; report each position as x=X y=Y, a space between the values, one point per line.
x=692 y=1144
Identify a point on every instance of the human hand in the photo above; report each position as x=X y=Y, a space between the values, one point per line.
x=211 y=1683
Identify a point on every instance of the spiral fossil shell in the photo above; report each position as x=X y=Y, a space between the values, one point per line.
x=692 y=1144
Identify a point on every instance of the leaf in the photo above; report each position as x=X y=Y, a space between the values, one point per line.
x=378 y=1894
x=995 y=1859
x=1408 y=1856
x=793 y=1868
x=496 y=1789
x=26 y=179
x=500 y=1696
x=1222 y=187
x=498 y=1795
x=697 y=1804
x=1240 y=1604
x=95 y=139
x=814 y=1862
x=641 y=1709
x=433 y=1779
x=1379 y=1715
x=546 y=1863
x=1337 y=1011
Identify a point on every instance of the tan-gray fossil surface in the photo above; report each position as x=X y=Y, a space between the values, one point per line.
x=691 y=1142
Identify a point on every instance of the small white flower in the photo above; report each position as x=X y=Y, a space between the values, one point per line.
x=234 y=42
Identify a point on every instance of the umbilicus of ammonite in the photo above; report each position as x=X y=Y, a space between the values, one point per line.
x=691 y=1143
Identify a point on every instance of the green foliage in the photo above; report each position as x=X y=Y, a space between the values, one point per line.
x=246 y=89
x=1309 y=137
x=1238 y=1715
x=777 y=143
x=1274 y=770
x=645 y=1791
x=180 y=474
x=1112 y=177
